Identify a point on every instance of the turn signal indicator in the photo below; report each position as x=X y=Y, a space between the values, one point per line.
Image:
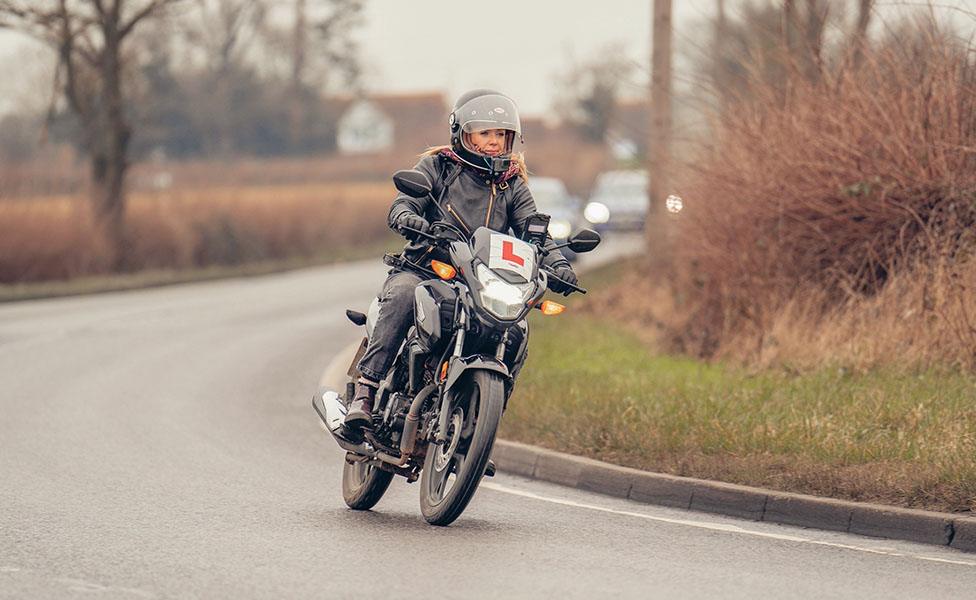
x=443 y=270
x=550 y=308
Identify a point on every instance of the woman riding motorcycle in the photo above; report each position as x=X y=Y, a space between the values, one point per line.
x=480 y=181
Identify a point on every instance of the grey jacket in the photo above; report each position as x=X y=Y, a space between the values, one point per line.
x=471 y=202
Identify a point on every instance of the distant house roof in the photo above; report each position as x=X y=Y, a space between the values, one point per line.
x=420 y=120
x=538 y=133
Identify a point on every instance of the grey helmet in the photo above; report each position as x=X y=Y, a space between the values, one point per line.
x=479 y=110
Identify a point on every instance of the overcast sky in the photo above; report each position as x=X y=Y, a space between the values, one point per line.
x=516 y=46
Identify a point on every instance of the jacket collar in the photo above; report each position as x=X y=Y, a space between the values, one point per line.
x=513 y=169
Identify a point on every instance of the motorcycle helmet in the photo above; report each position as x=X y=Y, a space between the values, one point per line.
x=479 y=110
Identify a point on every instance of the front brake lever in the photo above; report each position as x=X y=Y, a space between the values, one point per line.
x=573 y=288
x=420 y=233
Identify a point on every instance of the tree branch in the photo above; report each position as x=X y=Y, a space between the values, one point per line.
x=148 y=10
x=66 y=52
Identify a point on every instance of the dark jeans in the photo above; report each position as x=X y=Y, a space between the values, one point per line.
x=394 y=320
x=396 y=301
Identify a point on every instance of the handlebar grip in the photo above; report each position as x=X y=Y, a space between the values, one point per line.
x=418 y=232
x=573 y=288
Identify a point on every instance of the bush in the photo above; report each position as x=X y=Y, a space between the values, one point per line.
x=814 y=198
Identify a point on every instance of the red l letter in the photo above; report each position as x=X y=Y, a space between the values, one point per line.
x=508 y=253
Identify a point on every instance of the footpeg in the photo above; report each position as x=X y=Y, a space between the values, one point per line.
x=490 y=468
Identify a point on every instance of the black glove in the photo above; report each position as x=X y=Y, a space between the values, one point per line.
x=567 y=275
x=413 y=221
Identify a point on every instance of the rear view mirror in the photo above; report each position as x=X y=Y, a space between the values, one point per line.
x=583 y=240
x=412 y=183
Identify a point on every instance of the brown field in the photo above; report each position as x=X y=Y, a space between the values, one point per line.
x=53 y=238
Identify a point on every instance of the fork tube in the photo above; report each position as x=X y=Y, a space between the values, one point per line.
x=445 y=397
x=500 y=351
x=459 y=341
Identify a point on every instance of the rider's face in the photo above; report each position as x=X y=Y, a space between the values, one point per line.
x=488 y=141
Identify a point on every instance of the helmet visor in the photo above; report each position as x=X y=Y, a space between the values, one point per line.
x=492 y=111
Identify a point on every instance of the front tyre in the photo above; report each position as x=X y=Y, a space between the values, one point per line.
x=453 y=470
x=363 y=484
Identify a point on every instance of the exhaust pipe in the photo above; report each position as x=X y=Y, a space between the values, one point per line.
x=332 y=412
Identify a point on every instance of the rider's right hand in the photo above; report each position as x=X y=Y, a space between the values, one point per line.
x=412 y=221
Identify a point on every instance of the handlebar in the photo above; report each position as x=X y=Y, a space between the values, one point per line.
x=434 y=237
x=572 y=287
x=440 y=239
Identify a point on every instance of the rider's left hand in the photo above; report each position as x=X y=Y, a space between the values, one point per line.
x=565 y=273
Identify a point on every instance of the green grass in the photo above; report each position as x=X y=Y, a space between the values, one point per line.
x=162 y=277
x=592 y=388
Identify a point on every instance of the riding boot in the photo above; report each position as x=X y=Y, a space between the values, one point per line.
x=360 y=411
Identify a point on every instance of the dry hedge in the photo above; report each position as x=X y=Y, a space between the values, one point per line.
x=817 y=194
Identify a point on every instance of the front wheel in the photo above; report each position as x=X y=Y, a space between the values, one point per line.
x=453 y=470
x=363 y=484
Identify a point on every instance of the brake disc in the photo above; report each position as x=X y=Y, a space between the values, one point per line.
x=445 y=452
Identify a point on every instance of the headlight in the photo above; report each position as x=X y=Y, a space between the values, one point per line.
x=596 y=212
x=559 y=229
x=503 y=299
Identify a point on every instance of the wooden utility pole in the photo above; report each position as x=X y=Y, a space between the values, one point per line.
x=659 y=144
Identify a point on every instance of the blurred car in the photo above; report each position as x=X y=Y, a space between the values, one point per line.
x=551 y=198
x=619 y=201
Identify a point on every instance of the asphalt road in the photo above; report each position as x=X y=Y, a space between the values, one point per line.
x=160 y=444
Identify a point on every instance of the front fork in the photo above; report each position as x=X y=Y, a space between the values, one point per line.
x=445 y=400
x=445 y=408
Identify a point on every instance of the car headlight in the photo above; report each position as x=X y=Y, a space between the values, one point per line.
x=503 y=299
x=596 y=212
x=559 y=229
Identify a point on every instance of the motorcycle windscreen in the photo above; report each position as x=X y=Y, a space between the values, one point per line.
x=508 y=256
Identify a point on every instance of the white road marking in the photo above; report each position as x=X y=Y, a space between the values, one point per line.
x=718 y=526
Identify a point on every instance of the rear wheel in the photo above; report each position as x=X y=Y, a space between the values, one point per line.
x=453 y=470
x=363 y=484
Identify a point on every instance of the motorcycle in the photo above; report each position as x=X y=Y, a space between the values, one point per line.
x=436 y=413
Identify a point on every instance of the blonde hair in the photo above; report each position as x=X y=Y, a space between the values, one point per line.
x=517 y=157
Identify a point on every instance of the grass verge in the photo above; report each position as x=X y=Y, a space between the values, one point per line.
x=162 y=277
x=592 y=388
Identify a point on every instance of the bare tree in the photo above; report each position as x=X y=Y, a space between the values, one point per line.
x=222 y=29
x=803 y=35
x=296 y=107
x=221 y=33
x=589 y=91
x=322 y=28
x=90 y=37
x=313 y=40
x=817 y=13
x=331 y=39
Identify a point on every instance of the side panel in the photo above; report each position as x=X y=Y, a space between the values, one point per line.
x=425 y=315
x=433 y=307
